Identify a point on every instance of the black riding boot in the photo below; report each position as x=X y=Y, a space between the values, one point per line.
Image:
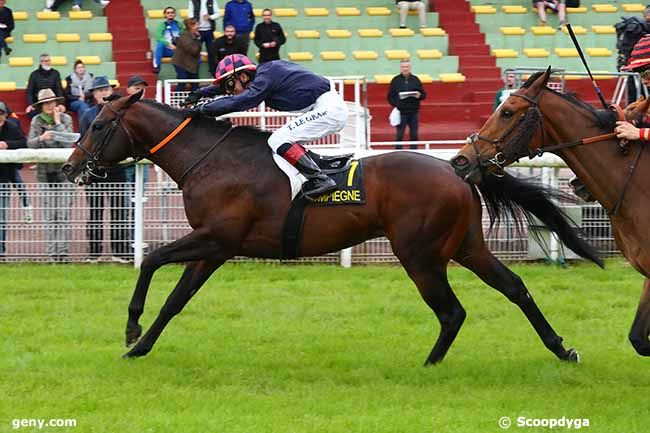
x=318 y=183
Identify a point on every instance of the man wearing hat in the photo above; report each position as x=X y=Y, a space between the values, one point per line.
x=45 y=77
x=11 y=137
x=135 y=84
x=114 y=187
x=639 y=62
x=57 y=193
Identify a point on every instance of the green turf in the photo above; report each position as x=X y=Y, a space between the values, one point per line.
x=269 y=348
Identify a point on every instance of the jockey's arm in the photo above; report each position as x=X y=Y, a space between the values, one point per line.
x=630 y=132
x=251 y=97
x=209 y=91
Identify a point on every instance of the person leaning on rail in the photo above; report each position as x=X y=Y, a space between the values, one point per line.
x=639 y=62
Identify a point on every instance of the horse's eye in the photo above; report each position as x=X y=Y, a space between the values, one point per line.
x=97 y=126
x=506 y=114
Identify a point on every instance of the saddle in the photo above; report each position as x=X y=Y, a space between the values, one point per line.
x=331 y=164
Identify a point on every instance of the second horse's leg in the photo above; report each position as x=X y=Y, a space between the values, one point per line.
x=641 y=325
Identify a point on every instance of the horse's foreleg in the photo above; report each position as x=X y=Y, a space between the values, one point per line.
x=191 y=247
x=641 y=325
x=194 y=276
x=495 y=274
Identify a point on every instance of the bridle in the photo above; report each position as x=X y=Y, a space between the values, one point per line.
x=500 y=160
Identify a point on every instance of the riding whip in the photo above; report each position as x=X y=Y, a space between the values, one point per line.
x=584 y=62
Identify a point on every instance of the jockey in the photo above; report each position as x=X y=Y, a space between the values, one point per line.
x=284 y=86
x=639 y=62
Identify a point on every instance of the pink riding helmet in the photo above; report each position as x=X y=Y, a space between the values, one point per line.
x=231 y=64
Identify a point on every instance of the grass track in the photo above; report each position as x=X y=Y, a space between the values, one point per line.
x=265 y=348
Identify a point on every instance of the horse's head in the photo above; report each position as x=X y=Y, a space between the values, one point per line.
x=512 y=132
x=107 y=142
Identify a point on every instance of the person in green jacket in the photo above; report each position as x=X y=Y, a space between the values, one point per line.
x=504 y=92
x=166 y=37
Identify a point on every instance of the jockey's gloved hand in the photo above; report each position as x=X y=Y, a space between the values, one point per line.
x=190 y=112
x=191 y=99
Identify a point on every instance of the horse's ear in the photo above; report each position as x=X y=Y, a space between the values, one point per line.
x=133 y=99
x=540 y=83
x=644 y=104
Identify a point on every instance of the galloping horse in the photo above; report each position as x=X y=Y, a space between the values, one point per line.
x=236 y=200
x=537 y=119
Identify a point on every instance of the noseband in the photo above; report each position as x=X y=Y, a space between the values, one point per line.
x=93 y=167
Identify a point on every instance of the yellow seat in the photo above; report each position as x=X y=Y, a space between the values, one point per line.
x=167 y=60
x=578 y=30
x=48 y=15
x=155 y=13
x=185 y=13
x=484 y=9
x=7 y=86
x=383 y=78
x=378 y=11
x=454 y=77
x=100 y=37
x=397 y=54
x=34 y=38
x=9 y=39
x=59 y=60
x=80 y=15
x=300 y=56
x=578 y=10
x=285 y=12
x=632 y=7
x=257 y=12
x=599 y=52
x=20 y=61
x=566 y=52
x=365 y=55
x=68 y=37
x=114 y=83
x=514 y=9
x=425 y=78
x=604 y=8
x=317 y=12
x=536 y=52
x=542 y=30
x=332 y=55
x=513 y=31
x=20 y=16
x=90 y=60
x=504 y=53
x=604 y=30
x=348 y=12
x=400 y=33
x=307 y=34
x=338 y=34
x=429 y=54
x=432 y=31
x=370 y=33
x=570 y=77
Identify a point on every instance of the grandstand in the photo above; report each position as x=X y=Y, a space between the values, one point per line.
x=459 y=56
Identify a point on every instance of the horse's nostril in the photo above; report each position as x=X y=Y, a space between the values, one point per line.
x=459 y=161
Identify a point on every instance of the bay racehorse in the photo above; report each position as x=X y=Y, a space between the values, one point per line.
x=236 y=200
x=536 y=119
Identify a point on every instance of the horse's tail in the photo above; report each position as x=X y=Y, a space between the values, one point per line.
x=520 y=199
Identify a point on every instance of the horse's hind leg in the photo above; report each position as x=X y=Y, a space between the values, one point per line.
x=188 y=248
x=431 y=281
x=641 y=325
x=194 y=276
x=494 y=273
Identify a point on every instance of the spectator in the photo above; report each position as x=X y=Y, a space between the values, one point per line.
x=269 y=36
x=79 y=83
x=54 y=5
x=504 y=92
x=57 y=194
x=405 y=94
x=43 y=78
x=188 y=54
x=228 y=44
x=240 y=14
x=556 y=6
x=11 y=137
x=6 y=27
x=135 y=84
x=167 y=36
x=206 y=13
x=115 y=189
x=406 y=5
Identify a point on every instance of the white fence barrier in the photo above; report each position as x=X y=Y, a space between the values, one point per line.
x=149 y=216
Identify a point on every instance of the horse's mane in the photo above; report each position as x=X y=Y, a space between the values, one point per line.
x=205 y=122
x=606 y=119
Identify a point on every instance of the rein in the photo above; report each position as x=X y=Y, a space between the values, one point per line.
x=198 y=161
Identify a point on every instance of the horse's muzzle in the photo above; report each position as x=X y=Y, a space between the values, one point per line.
x=466 y=169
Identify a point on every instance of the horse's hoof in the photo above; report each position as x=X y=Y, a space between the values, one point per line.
x=572 y=356
x=136 y=352
x=133 y=335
